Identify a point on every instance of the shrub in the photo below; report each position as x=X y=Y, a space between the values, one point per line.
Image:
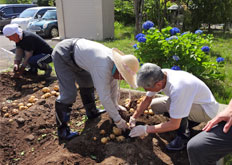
x=188 y=51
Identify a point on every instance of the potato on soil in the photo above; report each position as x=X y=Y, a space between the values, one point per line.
x=150 y=112
x=146 y=112
x=117 y=131
x=23 y=108
x=4 y=109
x=53 y=93
x=20 y=104
x=120 y=138
x=132 y=110
x=94 y=138
x=6 y=115
x=46 y=90
x=56 y=88
x=104 y=140
x=102 y=132
x=29 y=104
x=112 y=136
x=15 y=111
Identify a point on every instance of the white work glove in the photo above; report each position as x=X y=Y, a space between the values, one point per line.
x=132 y=122
x=140 y=130
x=122 y=124
x=121 y=108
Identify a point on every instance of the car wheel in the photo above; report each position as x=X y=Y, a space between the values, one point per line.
x=54 y=32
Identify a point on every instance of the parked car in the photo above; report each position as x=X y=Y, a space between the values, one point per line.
x=30 y=15
x=10 y=11
x=46 y=26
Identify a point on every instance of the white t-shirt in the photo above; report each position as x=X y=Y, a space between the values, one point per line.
x=185 y=89
x=97 y=60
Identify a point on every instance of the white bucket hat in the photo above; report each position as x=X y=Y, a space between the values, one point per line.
x=127 y=65
x=11 y=29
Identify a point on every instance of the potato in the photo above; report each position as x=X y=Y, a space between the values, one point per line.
x=14 y=104
x=46 y=90
x=150 y=112
x=112 y=136
x=40 y=85
x=104 y=140
x=4 y=108
x=146 y=112
x=31 y=100
x=53 y=93
x=43 y=82
x=94 y=138
x=6 y=115
x=117 y=131
x=29 y=104
x=57 y=93
x=15 y=111
x=32 y=97
x=20 y=104
x=43 y=97
x=35 y=89
x=47 y=95
x=132 y=110
x=102 y=132
x=22 y=108
x=120 y=138
x=56 y=88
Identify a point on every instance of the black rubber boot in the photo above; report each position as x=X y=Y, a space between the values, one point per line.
x=62 y=117
x=88 y=99
x=47 y=68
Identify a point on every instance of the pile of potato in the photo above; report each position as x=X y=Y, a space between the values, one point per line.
x=19 y=106
x=116 y=134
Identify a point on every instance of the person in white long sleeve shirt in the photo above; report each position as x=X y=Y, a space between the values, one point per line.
x=90 y=64
x=188 y=100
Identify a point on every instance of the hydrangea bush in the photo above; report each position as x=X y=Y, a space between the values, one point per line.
x=169 y=48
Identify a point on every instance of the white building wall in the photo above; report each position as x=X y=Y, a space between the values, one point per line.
x=91 y=19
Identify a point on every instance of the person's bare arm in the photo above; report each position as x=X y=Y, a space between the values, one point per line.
x=144 y=105
x=225 y=115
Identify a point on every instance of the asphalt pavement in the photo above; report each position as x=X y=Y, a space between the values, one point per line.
x=7 y=49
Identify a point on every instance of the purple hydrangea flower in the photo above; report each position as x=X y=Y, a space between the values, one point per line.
x=135 y=46
x=139 y=35
x=198 y=32
x=184 y=33
x=172 y=37
x=142 y=39
x=175 y=68
x=205 y=49
x=174 y=30
x=175 y=57
x=220 y=59
x=147 y=25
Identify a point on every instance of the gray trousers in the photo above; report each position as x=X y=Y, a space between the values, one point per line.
x=68 y=73
x=208 y=147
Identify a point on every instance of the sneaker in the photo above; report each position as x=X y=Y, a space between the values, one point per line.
x=66 y=134
x=177 y=144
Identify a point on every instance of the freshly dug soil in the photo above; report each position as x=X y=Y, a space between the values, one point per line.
x=30 y=136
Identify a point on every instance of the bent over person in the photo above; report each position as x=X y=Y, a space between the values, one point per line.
x=90 y=64
x=30 y=47
x=188 y=101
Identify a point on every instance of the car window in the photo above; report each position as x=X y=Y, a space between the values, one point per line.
x=50 y=15
x=41 y=13
x=18 y=9
x=28 y=13
x=8 y=11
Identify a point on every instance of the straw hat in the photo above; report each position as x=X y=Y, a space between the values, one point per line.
x=127 y=66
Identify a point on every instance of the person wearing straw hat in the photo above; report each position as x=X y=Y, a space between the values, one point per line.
x=90 y=64
x=30 y=47
x=188 y=102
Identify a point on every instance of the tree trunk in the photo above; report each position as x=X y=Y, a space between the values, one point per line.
x=138 y=9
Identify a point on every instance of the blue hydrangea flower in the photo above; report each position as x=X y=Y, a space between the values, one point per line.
x=139 y=35
x=174 y=30
x=175 y=57
x=198 y=32
x=142 y=39
x=220 y=59
x=184 y=33
x=135 y=46
x=172 y=37
x=205 y=49
x=147 y=25
x=175 y=68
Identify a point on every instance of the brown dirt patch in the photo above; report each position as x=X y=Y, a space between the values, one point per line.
x=30 y=136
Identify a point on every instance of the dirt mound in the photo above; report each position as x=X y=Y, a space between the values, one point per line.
x=28 y=136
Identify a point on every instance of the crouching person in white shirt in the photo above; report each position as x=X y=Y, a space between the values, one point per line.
x=188 y=101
